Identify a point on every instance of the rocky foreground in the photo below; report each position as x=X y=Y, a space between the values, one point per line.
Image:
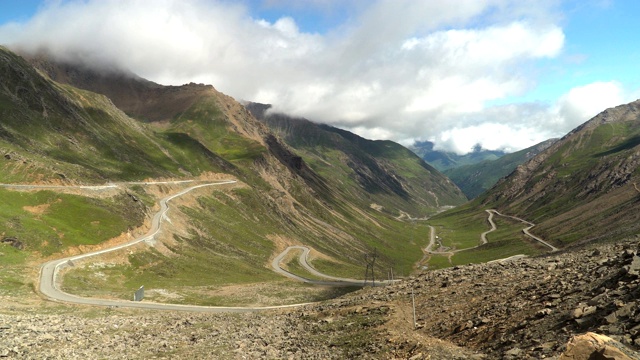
x=522 y=309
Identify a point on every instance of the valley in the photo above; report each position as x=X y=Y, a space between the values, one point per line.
x=254 y=232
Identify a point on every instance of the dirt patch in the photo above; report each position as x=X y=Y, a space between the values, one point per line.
x=265 y=293
x=406 y=342
x=162 y=295
x=376 y=207
x=38 y=209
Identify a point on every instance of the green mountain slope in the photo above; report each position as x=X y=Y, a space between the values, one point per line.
x=392 y=176
x=475 y=179
x=51 y=132
x=55 y=132
x=584 y=186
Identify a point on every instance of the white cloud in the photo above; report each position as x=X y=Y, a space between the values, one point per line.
x=398 y=69
x=584 y=102
x=518 y=126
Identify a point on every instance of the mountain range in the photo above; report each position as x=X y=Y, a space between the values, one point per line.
x=299 y=183
x=70 y=124
x=388 y=171
x=445 y=160
x=474 y=179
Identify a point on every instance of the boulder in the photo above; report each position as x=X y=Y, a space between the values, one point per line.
x=592 y=346
x=13 y=242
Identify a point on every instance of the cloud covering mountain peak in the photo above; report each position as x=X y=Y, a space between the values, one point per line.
x=400 y=70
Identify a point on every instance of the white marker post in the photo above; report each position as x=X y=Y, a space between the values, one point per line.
x=139 y=294
x=413 y=301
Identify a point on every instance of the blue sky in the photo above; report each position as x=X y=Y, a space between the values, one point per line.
x=504 y=74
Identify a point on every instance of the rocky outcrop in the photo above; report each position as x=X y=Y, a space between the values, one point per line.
x=528 y=308
x=591 y=346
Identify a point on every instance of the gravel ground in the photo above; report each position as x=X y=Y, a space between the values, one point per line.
x=521 y=309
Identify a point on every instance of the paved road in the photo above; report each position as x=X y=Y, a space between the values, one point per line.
x=90 y=187
x=304 y=255
x=49 y=272
x=446 y=251
x=526 y=230
x=483 y=236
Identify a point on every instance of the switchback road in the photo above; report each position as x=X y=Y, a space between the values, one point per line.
x=50 y=271
x=526 y=230
x=483 y=236
x=333 y=281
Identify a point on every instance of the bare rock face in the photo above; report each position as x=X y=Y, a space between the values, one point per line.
x=592 y=346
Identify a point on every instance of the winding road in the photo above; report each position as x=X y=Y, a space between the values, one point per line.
x=526 y=230
x=50 y=271
x=483 y=236
x=304 y=256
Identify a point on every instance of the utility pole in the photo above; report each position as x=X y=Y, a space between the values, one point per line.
x=370 y=261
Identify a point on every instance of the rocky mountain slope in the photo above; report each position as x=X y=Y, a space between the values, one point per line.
x=52 y=132
x=584 y=187
x=474 y=179
x=390 y=173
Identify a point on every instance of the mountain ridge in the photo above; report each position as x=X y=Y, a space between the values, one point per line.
x=477 y=178
x=369 y=163
x=582 y=185
x=445 y=160
x=285 y=199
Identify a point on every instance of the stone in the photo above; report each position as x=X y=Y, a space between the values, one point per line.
x=592 y=346
x=611 y=318
x=634 y=268
x=515 y=352
x=543 y=312
x=584 y=311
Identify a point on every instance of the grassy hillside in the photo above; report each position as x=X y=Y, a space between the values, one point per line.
x=217 y=239
x=394 y=179
x=583 y=187
x=477 y=178
x=52 y=132
x=459 y=238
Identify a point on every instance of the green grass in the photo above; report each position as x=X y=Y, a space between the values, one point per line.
x=438 y=262
x=507 y=240
x=460 y=228
x=208 y=124
x=63 y=220
x=13 y=281
x=229 y=244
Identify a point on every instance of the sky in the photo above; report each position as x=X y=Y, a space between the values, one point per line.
x=502 y=74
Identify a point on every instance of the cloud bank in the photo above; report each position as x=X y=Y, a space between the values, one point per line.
x=403 y=70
